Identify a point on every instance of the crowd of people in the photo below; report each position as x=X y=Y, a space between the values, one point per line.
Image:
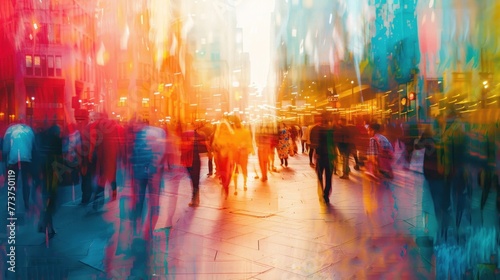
x=93 y=154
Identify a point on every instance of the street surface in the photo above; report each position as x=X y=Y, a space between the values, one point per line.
x=279 y=229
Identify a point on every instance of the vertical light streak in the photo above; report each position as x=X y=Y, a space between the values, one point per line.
x=160 y=20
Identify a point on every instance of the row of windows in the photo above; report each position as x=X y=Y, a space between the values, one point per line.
x=43 y=66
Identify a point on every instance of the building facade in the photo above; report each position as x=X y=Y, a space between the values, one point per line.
x=49 y=55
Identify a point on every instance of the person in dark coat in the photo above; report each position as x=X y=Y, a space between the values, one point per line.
x=49 y=159
x=322 y=139
x=193 y=143
x=433 y=173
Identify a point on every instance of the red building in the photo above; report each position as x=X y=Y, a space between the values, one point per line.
x=48 y=60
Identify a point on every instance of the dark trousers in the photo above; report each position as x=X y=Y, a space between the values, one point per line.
x=24 y=168
x=311 y=153
x=210 y=163
x=150 y=183
x=87 y=183
x=441 y=198
x=194 y=175
x=324 y=168
x=50 y=182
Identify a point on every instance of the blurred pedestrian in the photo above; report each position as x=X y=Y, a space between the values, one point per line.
x=380 y=154
x=18 y=148
x=430 y=141
x=223 y=146
x=283 y=144
x=453 y=159
x=244 y=147
x=107 y=152
x=49 y=158
x=192 y=144
x=323 y=139
x=147 y=160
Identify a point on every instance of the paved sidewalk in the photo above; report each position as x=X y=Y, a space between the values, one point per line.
x=279 y=229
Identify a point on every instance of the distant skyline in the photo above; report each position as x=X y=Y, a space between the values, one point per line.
x=253 y=16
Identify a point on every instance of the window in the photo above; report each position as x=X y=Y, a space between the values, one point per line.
x=29 y=65
x=58 y=66
x=50 y=65
x=37 y=61
x=43 y=65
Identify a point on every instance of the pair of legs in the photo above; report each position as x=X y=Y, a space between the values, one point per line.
x=440 y=194
x=241 y=161
x=87 y=177
x=142 y=185
x=106 y=172
x=224 y=164
x=271 y=159
x=323 y=168
x=284 y=161
x=304 y=146
x=194 y=175
x=50 y=181
x=311 y=154
x=210 y=164
x=263 y=155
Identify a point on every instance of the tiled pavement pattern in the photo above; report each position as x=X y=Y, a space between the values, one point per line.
x=275 y=230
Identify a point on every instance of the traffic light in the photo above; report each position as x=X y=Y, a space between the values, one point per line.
x=412 y=96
